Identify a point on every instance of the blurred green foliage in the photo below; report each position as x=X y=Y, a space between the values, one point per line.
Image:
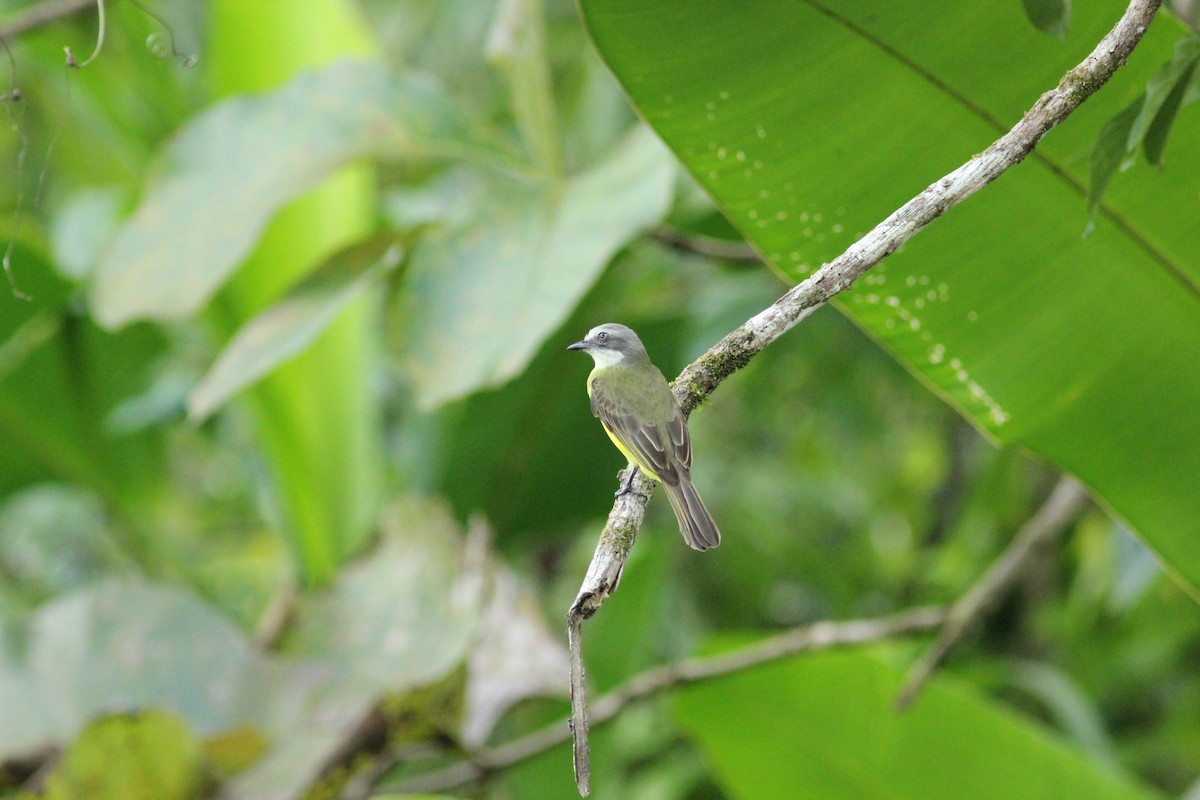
x=150 y=756
x=367 y=547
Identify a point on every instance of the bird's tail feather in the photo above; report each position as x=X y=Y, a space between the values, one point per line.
x=695 y=523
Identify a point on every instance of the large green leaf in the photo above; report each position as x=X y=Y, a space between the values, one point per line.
x=145 y=756
x=120 y=645
x=287 y=327
x=809 y=124
x=514 y=656
x=403 y=617
x=825 y=726
x=231 y=169
x=317 y=417
x=400 y=619
x=53 y=539
x=483 y=294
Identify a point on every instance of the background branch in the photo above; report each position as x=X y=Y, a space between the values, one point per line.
x=1059 y=510
x=810 y=638
x=706 y=245
x=734 y=351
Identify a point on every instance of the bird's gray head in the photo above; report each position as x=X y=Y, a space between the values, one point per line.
x=611 y=344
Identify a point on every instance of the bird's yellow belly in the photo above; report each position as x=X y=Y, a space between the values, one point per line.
x=633 y=459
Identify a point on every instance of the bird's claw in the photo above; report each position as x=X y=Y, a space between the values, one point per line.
x=627 y=486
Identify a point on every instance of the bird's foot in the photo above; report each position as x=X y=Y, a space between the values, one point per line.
x=627 y=485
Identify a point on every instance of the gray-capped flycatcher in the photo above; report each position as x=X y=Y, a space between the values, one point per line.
x=640 y=414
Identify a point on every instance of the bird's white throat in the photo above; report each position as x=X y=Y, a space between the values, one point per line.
x=605 y=357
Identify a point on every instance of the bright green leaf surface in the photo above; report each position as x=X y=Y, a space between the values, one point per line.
x=287 y=327
x=824 y=726
x=256 y=153
x=482 y=296
x=146 y=756
x=1083 y=350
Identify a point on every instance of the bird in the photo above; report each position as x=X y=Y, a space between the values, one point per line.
x=640 y=414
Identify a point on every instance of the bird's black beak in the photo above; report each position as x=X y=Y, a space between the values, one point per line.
x=579 y=345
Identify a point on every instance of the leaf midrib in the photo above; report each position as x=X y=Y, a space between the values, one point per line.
x=1124 y=225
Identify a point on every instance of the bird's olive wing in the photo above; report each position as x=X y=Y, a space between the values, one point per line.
x=678 y=431
x=664 y=449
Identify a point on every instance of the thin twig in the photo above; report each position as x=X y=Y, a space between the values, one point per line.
x=656 y=680
x=100 y=23
x=707 y=245
x=42 y=14
x=186 y=60
x=1059 y=510
x=35 y=17
x=733 y=352
x=11 y=100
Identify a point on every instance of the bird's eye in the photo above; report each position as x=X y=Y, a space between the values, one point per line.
x=601 y=336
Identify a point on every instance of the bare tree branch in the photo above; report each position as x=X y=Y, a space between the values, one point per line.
x=1063 y=506
x=42 y=14
x=810 y=638
x=734 y=351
